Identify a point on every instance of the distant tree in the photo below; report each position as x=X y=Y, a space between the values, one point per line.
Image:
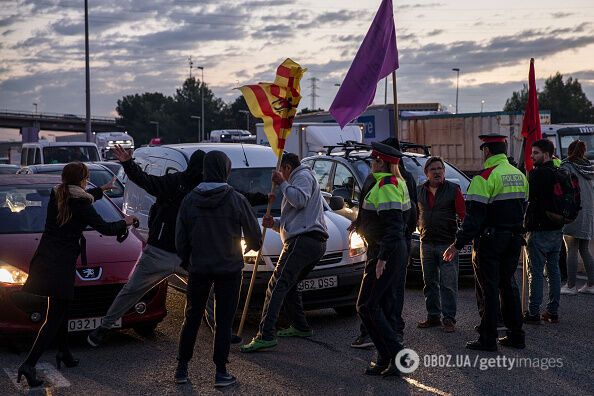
x=236 y=117
x=137 y=111
x=566 y=100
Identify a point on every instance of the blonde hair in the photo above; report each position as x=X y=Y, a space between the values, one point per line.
x=72 y=174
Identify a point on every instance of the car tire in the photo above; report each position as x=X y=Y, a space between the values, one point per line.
x=346 y=311
x=146 y=329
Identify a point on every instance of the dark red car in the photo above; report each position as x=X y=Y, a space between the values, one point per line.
x=23 y=206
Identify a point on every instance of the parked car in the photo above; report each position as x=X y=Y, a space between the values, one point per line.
x=45 y=152
x=334 y=282
x=116 y=168
x=342 y=173
x=8 y=169
x=99 y=175
x=23 y=207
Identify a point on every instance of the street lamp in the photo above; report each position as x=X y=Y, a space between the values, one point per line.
x=457 y=70
x=247 y=118
x=157 y=124
x=197 y=118
x=35 y=104
x=482 y=104
x=202 y=102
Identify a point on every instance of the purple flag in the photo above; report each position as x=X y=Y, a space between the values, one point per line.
x=377 y=57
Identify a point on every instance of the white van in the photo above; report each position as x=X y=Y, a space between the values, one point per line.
x=45 y=152
x=231 y=135
x=334 y=282
x=563 y=134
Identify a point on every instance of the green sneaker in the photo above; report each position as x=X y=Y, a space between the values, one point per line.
x=293 y=332
x=257 y=344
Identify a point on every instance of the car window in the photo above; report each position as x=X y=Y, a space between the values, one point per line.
x=322 y=170
x=31 y=156
x=363 y=168
x=344 y=181
x=24 y=156
x=23 y=208
x=255 y=185
x=37 y=156
x=66 y=154
x=101 y=177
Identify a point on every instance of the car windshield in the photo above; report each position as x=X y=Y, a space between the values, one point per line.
x=98 y=177
x=566 y=140
x=415 y=166
x=66 y=154
x=255 y=184
x=23 y=208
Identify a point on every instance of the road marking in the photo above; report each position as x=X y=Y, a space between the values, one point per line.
x=51 y=377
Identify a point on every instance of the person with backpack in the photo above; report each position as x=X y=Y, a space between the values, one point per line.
x=577 y=235
x=543 y=224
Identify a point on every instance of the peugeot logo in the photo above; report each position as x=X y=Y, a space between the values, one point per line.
x=89 y=273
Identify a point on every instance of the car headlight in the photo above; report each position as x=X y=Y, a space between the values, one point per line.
x=356 y=244
x=12 y=275
x=249 y=257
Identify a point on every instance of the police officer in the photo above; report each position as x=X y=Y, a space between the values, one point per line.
x=495 y=203
x=383 y=226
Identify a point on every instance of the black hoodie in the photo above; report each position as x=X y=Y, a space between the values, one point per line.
x=169 y=190
x=211 y=220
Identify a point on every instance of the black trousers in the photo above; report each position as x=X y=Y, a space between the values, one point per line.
x=226 y=292
x=495 y=260
x=376 y=302
x=55 y=327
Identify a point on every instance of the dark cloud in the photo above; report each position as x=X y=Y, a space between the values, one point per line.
x=268 y=3
x=560 y=15
x=435 y=32
x=331 y=17
x=419 y=5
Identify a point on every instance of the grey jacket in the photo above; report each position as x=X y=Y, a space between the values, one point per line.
x=583 y=226
x=302 y=209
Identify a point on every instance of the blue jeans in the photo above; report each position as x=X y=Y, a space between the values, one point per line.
x=441 y=281
x=544 y=248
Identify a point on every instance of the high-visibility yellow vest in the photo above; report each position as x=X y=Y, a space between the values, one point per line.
x=389 y=192
x=498 y=181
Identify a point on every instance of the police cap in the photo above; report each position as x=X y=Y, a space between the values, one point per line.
x=385 y=153
x=492 y=138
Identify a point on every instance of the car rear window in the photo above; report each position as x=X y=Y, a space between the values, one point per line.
x=255 y=184
x=23 y=209
x=66 y=154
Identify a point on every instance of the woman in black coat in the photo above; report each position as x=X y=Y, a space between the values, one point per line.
x=52 y=269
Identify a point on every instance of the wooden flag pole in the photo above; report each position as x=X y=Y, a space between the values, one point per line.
x=396 y=132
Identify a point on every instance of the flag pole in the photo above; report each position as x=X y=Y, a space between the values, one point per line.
x=396 y=134
x=259 y=256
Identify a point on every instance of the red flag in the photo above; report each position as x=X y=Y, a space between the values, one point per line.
x=531 y=122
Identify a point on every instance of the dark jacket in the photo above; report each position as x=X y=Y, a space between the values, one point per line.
x=210 y=224
x=437 y=222
x=540 y=198
x=169 y=191
x=53 y=266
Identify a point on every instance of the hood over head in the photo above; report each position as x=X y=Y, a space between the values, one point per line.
x=217 y=167
x=194 y=171
x=583 y=167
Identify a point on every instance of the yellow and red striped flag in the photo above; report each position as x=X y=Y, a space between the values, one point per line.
x=276 y=103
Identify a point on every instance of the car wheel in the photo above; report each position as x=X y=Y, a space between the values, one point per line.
x=146 y=329
x=348 y=310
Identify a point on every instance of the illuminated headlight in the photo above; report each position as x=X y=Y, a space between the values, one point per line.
x=417 y=231
x=12 y=275
x=356 y=245
x=249 y=257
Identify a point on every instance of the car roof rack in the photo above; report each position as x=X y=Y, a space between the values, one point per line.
x=406 y=146
x=352 y=146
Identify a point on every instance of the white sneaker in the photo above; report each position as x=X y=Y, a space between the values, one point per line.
x=587 y=289
x=569 y=291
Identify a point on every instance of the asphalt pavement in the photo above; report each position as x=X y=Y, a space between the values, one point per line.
x=325 y=364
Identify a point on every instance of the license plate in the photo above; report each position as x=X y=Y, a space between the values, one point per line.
x=88 y=324
x=325 y=282
x=466 y=249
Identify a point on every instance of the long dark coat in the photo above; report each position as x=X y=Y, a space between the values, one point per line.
x=53 y=267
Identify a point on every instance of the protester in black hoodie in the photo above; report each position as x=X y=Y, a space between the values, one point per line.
x=159 y=258
x=208 y=236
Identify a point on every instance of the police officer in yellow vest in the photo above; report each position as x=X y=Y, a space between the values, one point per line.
x=495 y=204
x=382 y=225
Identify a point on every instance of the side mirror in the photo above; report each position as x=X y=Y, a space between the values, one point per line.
x=336 y=203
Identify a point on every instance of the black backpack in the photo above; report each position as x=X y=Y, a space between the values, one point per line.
x=566 y=197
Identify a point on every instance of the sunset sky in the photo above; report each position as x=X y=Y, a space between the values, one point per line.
x=143 y=46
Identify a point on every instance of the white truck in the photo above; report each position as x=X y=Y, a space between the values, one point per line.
x=107 y=140
x=309 y=138
x=563 y=134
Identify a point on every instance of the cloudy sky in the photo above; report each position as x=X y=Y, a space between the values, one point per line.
x=143 y=46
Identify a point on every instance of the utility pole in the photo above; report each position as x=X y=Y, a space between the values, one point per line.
x=203 y=133
x=87 y=75
x=191 y=65
x=313 y=94
x=457 y=70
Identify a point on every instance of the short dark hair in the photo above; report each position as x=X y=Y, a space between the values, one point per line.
x=432 y=160
x=290 y=159
x=496 y=147
x=545 y=145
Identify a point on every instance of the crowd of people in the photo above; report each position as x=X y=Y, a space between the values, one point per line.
x=198 y=220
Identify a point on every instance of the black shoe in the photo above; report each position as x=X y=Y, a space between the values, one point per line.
x=508 y=342
x=224 y=379
x=479 y=346
x=361 y=342
x=181 y=372
x=30 y=375
x=67 y=359
x=531 y=319
x=235 y=339
x=391 y=370
x=429 y=322
x=97 y=336
x=549 y=317
x=376 y=368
